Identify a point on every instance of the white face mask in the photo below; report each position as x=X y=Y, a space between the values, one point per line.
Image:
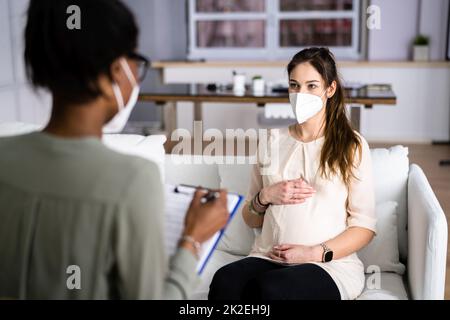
x=305 y=105
x=119 y=121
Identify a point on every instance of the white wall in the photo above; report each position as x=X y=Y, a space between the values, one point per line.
x=399 y=25
x=434 y=22
x=422 y=113
x=401 y=21
x=163 y=36
x=18 y=102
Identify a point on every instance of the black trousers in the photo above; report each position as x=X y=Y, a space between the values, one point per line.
x=259 y=279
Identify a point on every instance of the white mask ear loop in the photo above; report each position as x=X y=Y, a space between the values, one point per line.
x=128 y=72
x=118 y=95
x=116 y=88
x=325 y=91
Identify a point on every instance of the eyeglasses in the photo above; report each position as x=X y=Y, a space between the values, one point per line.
x=142 y=62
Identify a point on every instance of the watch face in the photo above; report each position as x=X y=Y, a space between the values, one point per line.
x=328 y=256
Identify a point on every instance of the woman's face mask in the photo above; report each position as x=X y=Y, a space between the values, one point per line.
x=117 y=124
x=305 y=105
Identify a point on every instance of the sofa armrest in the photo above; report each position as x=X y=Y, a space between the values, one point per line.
x=427 y=239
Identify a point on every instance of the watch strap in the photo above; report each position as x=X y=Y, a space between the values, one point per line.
x=325 y=251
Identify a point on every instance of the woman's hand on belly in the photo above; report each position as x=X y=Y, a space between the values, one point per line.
x=293 y=254
x=290 y=192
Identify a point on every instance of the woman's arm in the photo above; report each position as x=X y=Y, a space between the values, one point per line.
x=350 y=241
x=145 y=272
x=252 y=220
x=361 y=221
x=256 y=184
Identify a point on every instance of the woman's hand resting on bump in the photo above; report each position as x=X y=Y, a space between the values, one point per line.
x=292 y=254
x=287 y=193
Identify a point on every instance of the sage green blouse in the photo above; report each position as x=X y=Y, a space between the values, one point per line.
x=73 y=210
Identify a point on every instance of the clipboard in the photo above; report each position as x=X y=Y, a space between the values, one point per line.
x=177 y=202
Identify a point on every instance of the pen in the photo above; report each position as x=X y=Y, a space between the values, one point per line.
x=210 y=196
x=180 y=187
x=191 y=186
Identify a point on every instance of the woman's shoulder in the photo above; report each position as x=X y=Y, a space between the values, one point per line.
x=360 y=136
x=363 y=141
x=363 y=152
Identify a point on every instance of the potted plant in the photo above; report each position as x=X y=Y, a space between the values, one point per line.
x=421 y=48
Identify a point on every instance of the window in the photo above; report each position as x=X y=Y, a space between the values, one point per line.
x=272 y=29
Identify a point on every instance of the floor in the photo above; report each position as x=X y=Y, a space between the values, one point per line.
x=427 y=157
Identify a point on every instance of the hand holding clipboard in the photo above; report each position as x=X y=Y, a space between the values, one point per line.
x=199 y=216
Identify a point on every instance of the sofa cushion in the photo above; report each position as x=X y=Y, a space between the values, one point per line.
x=17 y=128
x=391 y=169
x=192 y=170
x=388 y=286
x=238 y=237
x=382 y=252
x=150 y=147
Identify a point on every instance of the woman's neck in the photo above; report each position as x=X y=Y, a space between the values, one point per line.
x=76 y=121
x=311 y=130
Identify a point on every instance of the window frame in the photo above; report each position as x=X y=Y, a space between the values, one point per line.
x=272 y=17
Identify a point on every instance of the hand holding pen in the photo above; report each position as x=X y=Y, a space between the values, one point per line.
x=210 y=195
x=207 y=214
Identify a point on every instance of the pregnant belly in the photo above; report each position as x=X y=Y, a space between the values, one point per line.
x=301 y=225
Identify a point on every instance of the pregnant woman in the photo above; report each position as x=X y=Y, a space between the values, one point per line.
x=314 y=203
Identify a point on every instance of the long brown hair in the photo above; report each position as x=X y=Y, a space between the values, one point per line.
x=341 y=141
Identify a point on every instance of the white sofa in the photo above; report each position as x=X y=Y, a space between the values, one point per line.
x=421 y=239
x=421 y=223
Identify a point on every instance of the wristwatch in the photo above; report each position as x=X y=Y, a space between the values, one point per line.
x=327 y=255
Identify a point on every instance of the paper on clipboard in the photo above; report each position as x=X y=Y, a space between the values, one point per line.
x=175 y=211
